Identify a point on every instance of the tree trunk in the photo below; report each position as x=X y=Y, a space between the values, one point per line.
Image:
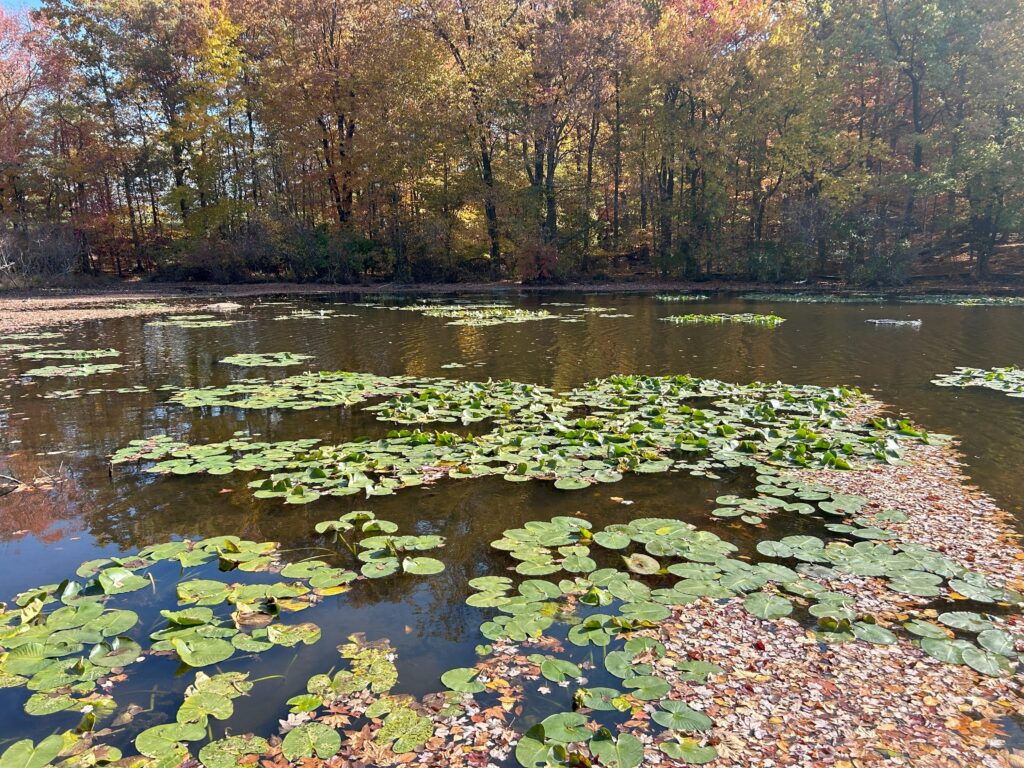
x=332 y=178
x=550 y=206
x=588 y=187
x=616 y=164
x=490 y=207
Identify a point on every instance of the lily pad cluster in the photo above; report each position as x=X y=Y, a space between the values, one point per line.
x=860 y=297
x=1008 y=380
x=193 y=321
x=746 y=318
x=468 y=402
x=680 y=297
x=72 y=394
x=72 y=371
x=776 y=493
x=964 y=300
x=63 y=652
x=634 y=424
x=381 y=553
x=312 y=314
x=603 y=588
x=68 y=354
x=266 y=359
x=69 y=644
x=301 y=392
x=665 y=563
x=660 y=563
x=362 y=690
x=814 y=298
x=479 y=315
x=32 y=336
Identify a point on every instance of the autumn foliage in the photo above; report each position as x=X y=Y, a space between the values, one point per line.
x=439 y=139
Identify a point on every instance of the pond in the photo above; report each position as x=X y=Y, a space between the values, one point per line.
x=56 y=426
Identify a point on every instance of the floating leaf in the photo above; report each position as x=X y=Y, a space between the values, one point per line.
x=461 y=680
x=119 y=652
x=872 y=633
x=203 y=651
x=642 y=564
x=624 y=751
x=566 y=727
x=965 y=620
x=533 y=751
x=557 y=670
x=768 y=606
x=163 y=741
x=677 y=716
x=311 y=740
x=997 y=641
x=647 y=687
x=422 y=566
x=689 y=751
x=26 y=754
x=983 y=661
x=228 y=753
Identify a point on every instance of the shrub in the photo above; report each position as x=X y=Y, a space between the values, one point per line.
x=40 y=252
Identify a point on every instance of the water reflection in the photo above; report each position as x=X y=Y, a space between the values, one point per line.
x=45 y=534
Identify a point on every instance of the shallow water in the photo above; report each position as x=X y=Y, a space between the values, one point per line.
x=96 y=512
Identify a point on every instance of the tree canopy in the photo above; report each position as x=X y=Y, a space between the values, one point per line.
x=427 y=139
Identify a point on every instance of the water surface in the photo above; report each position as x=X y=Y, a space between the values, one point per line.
x=96 y=511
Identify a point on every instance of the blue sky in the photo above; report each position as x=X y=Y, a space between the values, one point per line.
x=18 y=5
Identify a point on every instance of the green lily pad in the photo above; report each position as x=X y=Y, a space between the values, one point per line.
x=642 y=564
x=163 y=741
x=566 y=727
x=26 y=754
x=311 y=740
x=119 y=652
x=872 y=633
x=985 y=662
x=647 y=687
x=624 y=751
x=689 y=751
x=677 y=716
x=422 y=566
x=203 y=651
x=965 y=620
x=997 y=641
x=228 y=752
x=462 y=680
x=768 y=606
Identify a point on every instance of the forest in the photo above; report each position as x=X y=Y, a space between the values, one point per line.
x=540 y=140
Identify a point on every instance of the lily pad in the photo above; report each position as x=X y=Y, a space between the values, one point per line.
x=311 y=740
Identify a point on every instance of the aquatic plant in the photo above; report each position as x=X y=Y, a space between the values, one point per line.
x=964 y=300
x=569 y=587
x=193 y=321
x=480 y=315
x=815 y=298
x=70 y=644
x=1008 y=380
x=71 y=394
x=84 y=369
x=68 y=354
x=636 y=424
x=31 y=336
x=266 y=359
x=680 y=297
x=723 y=317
